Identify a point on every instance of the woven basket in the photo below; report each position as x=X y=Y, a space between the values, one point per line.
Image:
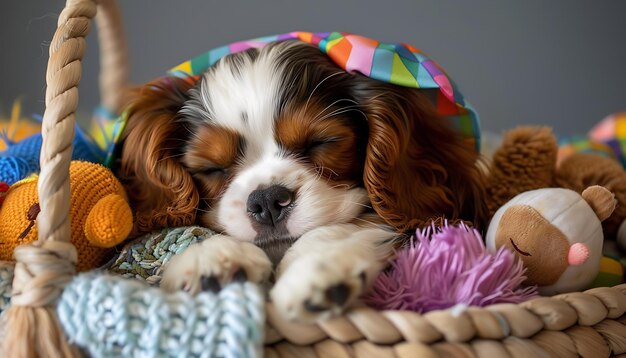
x=589 y=324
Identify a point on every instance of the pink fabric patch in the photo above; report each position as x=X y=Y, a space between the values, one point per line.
x=362 y=54
x=445 y=86
x=244 y=45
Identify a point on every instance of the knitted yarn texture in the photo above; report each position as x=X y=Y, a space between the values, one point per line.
x=114 y=317
x=144 y=257
x=21 y=159
x=101 y=217
x=6 y=279
x=111 y=316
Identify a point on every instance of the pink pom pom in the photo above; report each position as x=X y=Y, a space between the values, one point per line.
x=578 y=254
x=448 y=266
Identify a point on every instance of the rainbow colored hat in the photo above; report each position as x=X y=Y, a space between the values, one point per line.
x=396 y=63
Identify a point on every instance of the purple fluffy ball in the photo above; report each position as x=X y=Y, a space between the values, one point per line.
x=447 y=266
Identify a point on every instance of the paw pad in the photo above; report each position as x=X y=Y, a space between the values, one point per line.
x=338 y=294
x=210 y=283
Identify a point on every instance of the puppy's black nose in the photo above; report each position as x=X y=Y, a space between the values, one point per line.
x=268 y=206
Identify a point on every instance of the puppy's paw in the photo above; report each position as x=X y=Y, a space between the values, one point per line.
x=214 y=262
x=319 y=287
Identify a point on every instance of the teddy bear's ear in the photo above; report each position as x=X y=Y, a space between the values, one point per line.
x=525 y=161
x=601 y=200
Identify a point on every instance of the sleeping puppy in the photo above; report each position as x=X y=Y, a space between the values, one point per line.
x=297 y=163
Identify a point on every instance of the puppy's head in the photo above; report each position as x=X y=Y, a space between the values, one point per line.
x=273 y=142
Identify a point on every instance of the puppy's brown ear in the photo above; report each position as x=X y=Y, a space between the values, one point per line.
x=161 y=191
x=417 y=165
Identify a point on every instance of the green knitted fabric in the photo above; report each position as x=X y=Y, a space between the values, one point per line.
x=6 y=279
x=143 y=257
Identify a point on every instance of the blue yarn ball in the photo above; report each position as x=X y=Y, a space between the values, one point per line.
x=13 y=169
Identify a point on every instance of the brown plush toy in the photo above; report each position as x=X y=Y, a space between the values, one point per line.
x=556 y=233
x=527 y=160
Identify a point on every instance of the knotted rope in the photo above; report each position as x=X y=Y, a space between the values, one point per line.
x=43 y=269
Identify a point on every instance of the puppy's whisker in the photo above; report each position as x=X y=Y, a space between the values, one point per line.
x=317 y=86
x=166 y=149
x=323 y=202
x=366 y=221
x=347 y=186
x=195 y=135
x=336 y=113
x=332 y=104
x=320 y=172
x=334 y=172
x=171 y=157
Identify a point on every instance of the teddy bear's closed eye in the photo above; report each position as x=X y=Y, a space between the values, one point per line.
x=522 y=252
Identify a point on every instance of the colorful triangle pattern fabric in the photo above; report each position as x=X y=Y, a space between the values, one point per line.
x=396 y=63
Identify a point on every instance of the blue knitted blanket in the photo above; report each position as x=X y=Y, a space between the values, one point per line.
x=114 y=316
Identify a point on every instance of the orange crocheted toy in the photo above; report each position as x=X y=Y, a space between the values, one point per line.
x=100 y=215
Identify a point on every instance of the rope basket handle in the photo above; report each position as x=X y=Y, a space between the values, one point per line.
x=43 y=268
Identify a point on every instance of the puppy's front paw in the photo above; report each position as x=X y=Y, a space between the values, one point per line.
x=319 y=287
x=214 y=262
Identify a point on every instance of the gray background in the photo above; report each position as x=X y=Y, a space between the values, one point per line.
x=561 y=63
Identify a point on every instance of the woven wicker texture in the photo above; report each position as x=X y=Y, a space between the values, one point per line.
x=586 y=324
x=589 y=324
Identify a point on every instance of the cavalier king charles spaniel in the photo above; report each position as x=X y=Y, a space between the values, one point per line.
x=299 y=165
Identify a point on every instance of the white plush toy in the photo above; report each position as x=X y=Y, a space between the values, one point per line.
x=557 y=233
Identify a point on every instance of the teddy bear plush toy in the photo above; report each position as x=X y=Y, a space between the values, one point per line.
x=527 y=160
x=543 y=210
x=556 y=233
x=100 y=215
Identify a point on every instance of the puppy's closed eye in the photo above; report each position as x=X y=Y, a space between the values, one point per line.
x=320 y=144
x=212 y=150
x=214 y=171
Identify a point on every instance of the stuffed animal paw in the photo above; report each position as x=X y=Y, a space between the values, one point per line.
x=100 y=215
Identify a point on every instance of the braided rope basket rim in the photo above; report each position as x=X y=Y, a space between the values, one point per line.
x=590 y=323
